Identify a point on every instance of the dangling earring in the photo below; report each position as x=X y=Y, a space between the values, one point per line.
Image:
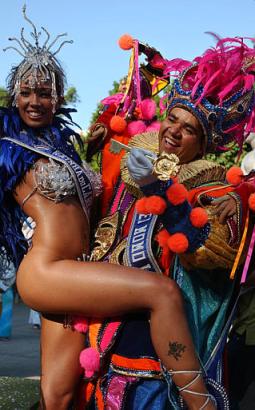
x=16 y=93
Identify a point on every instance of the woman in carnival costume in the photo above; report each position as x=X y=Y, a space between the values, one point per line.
x=43 y=177
x=211 y=104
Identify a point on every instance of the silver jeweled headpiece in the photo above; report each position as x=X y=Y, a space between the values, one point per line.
x=39 y=63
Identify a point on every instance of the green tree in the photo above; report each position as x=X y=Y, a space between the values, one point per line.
x=96 y=113
x=71 y=96
x=3 y=97
x=231 y=157
x=99 y=108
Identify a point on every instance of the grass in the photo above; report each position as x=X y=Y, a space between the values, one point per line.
x=17 y=393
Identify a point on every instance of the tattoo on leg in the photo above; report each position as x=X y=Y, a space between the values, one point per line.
x=176 y=349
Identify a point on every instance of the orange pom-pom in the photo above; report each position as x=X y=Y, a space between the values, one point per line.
x=178 y=242
x=151 y=205
x=234 y=175
x=155 y=205
x=126 y=42
x=162 y=237
x=177 y=194
x=140 y=206
x=198 y=217
x=118 y=124
x=251 y=202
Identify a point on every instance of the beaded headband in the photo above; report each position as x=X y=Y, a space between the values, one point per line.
x=39 y=64
x=218 y=88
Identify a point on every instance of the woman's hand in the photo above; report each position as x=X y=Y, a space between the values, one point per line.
x=99 y=132
x=225 y=207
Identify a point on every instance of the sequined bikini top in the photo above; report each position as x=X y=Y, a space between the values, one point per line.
x=52 y=180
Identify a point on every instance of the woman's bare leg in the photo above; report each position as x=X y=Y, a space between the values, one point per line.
x=102 y=289
x=60 y=368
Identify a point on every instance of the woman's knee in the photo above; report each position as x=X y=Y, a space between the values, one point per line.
x=55 y=396
x=60 y=350
x=167 y=292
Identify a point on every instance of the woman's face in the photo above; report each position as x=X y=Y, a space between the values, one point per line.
x=35 y=104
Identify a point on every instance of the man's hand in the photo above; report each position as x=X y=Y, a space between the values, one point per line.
x=140 y=166
x=225 y=207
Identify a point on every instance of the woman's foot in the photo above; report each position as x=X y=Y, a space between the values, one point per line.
x=194 y=391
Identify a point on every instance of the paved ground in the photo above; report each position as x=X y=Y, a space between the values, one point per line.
x=19 y=358
x=19 y=364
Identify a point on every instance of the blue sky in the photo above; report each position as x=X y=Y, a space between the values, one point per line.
x=94 y=61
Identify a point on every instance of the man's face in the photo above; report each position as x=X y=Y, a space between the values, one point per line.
x=35 y=104
x=181 y=134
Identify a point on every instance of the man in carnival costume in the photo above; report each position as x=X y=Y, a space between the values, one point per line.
x=211 y=103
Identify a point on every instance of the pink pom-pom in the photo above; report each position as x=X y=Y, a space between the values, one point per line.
x=198 y=217
x=90 y=361
x=118 y=124
x=178 y=243
x=177 y=194
x=136 y=127
x=251 y=202
x=154 y=126
x=234 y=175
x=126 y=42
x=80 y=324
x=148 y=109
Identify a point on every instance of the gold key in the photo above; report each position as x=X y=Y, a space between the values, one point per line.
x=117 y=146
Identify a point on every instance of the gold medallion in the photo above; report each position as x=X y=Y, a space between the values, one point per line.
x=166 y=166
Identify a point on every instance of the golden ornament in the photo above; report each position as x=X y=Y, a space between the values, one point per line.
x=166 y=166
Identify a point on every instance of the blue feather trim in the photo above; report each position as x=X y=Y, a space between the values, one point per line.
x=15 y=161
